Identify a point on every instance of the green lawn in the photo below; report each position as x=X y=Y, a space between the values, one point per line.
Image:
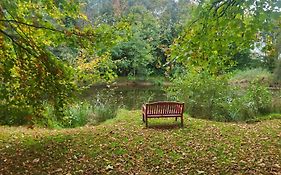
x=124 y=146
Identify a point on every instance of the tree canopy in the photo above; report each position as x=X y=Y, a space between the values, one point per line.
x=222 y=29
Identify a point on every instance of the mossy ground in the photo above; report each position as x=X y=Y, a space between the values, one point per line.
x=124 y=146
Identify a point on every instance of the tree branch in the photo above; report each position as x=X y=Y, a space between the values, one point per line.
x=32 y=25
x=19 y=27
x=18 y=44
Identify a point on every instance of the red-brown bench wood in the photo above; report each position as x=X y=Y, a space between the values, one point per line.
x=162 y=109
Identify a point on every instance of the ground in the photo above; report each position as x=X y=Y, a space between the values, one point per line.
x=124 y=146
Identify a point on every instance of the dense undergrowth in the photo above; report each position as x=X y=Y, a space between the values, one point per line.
x=218 y=98
x=124 y=146
x=75 y=115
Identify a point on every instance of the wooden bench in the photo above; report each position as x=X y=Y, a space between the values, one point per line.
x=162 y=110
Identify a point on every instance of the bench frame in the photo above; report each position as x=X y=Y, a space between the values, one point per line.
x=163 y=109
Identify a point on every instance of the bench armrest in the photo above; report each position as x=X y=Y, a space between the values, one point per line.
x=144 y=108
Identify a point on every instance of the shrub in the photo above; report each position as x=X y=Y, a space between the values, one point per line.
x=104 y=108
x=211 y=97
x=202 y=93
x=250 y=103
x=104 y=112
x=13 y=115
x=48 y=118
x=75 y=115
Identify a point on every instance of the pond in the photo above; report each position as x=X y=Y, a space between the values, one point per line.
x=132 y=97
x=128 y=97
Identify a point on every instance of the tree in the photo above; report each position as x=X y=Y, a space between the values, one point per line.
x=220 y=30
x=132 y=57
x=117 y=7
x=157 y=22
x=31 y=74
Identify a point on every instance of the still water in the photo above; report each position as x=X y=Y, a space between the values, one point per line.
x=128 y=97
x=132 y=97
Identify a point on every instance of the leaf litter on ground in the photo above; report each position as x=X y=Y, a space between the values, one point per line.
x=124 y=146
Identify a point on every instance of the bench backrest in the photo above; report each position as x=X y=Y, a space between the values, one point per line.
x=163 y=108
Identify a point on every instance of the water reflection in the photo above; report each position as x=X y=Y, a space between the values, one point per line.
x=128 y=97
x=132 y=97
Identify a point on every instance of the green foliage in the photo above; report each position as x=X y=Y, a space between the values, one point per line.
x=14 y=116
x=132 y=57
x=104 y=112
x=210 y=46
x=211 y=97
x=49 y=119
x=276 y=104
x=212 y=39
x=30 y=73
x=203 y=94
x=45 y=54
x=104 y=109
x=75 y=115
x=94 y=63
x=255 y=101
x=152 y=23
x=245 y=60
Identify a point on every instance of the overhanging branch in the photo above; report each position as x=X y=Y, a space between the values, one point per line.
x=18 y=44
x=32 y=25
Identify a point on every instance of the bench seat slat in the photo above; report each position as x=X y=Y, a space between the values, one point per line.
x=164 y=115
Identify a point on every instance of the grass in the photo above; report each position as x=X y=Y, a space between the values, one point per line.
x=124 y=146
x=247 y=76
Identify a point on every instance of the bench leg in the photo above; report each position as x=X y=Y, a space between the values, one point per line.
x=146 y=123
x=143 y=118
x=176 y=118
x=182 y=121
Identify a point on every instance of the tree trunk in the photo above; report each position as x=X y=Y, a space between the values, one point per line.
x=1 y=27
x=117 y=7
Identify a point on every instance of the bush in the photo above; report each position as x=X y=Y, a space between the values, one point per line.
x=75 y=115
x=104 y=107
x=211 y=97
x=48 y=119
x=250 y=103
x=13 y=115
x=202 y=93
x=104 y=112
